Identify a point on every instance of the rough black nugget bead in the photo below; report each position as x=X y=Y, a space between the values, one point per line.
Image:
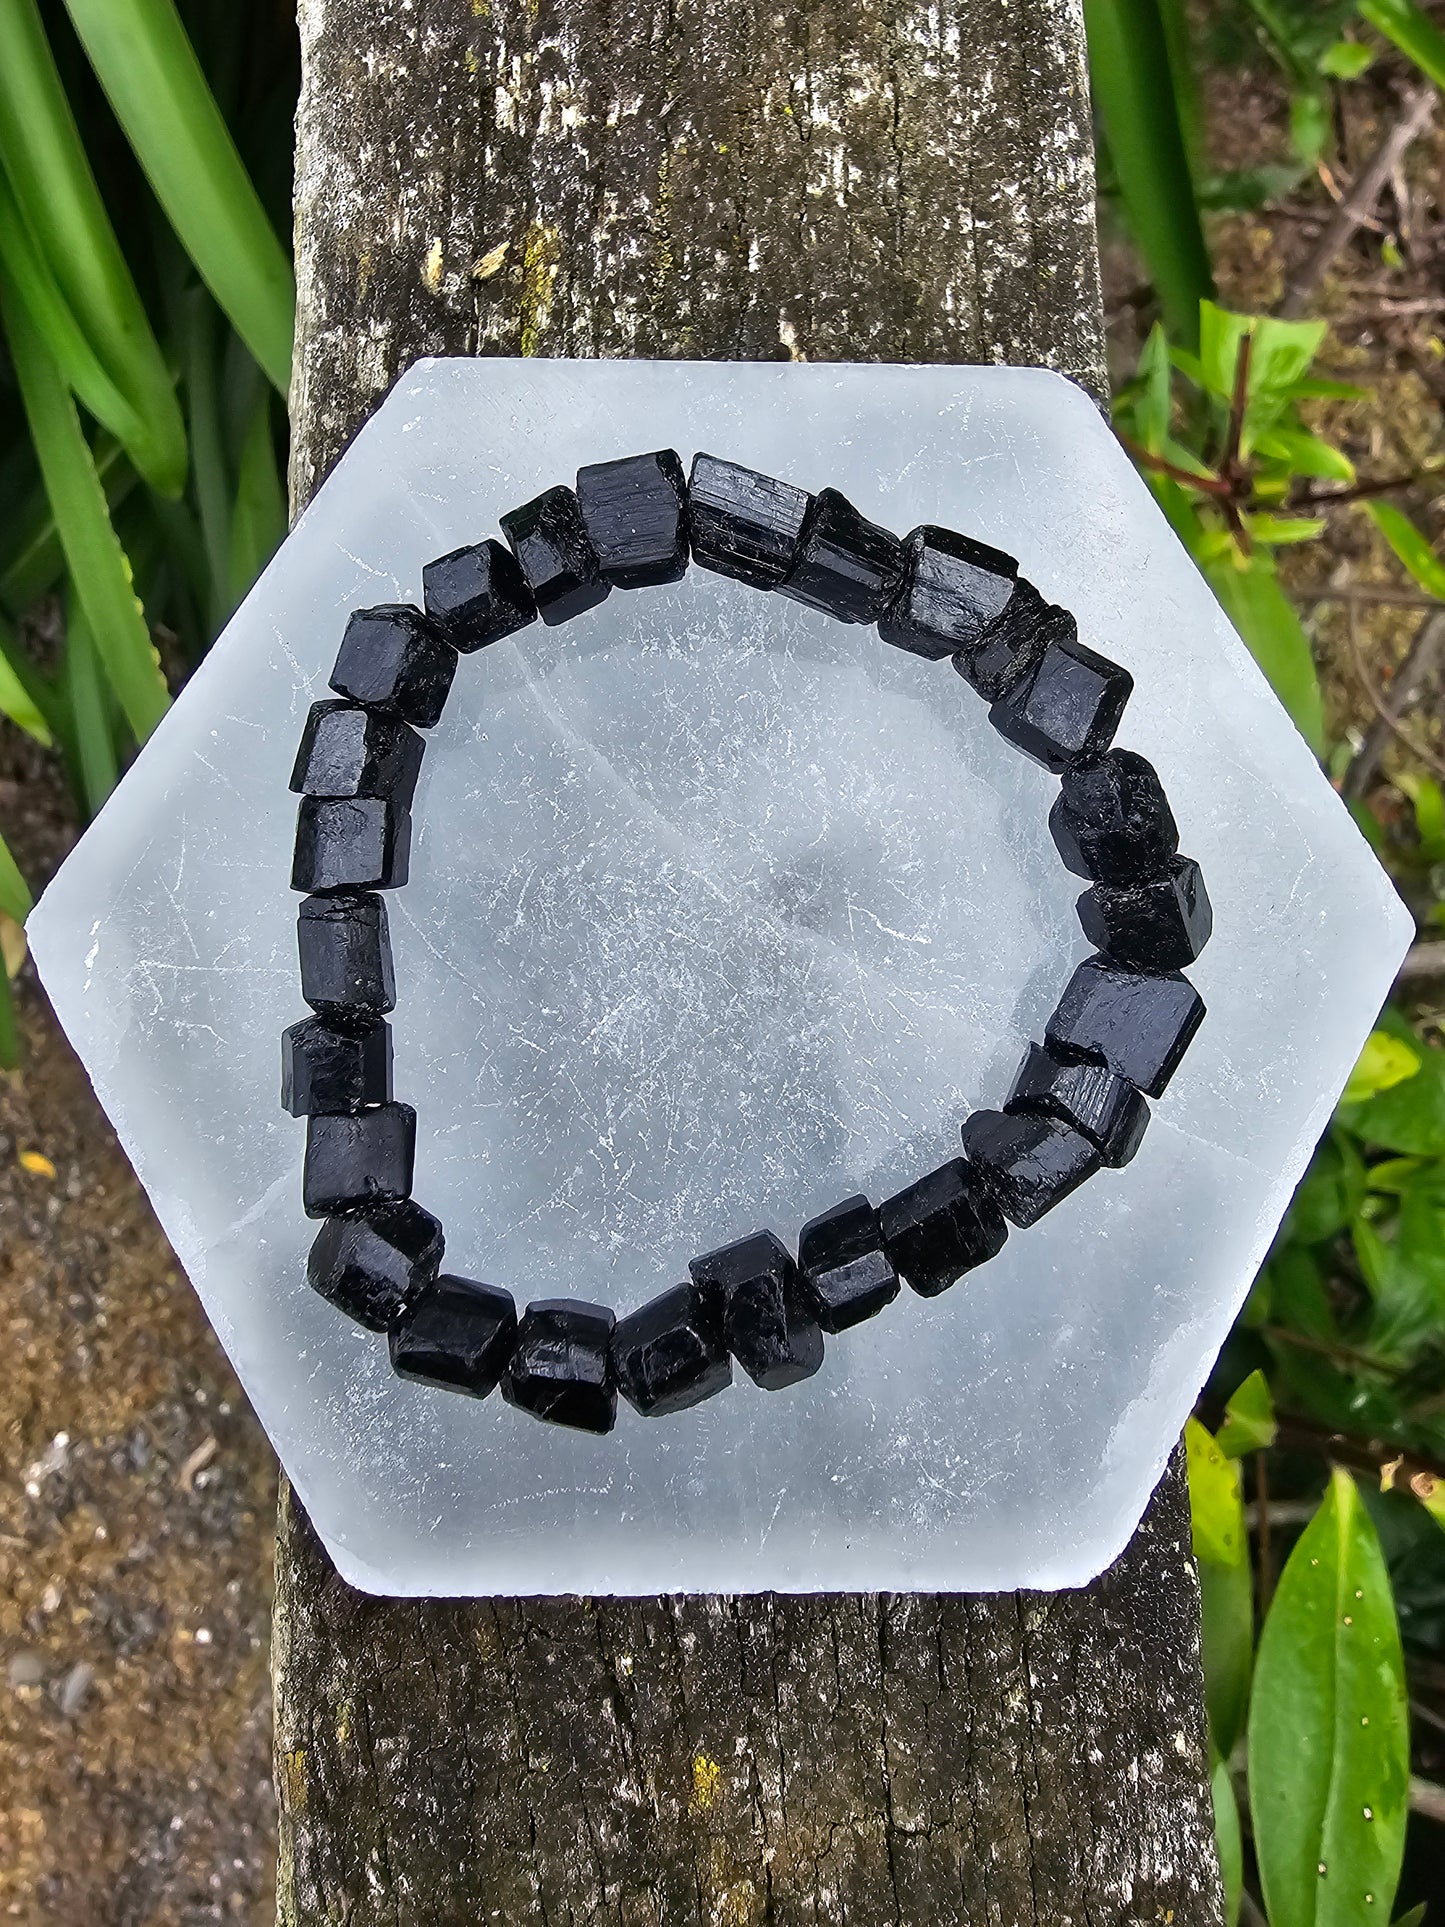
x=1013 y=647
x=392 y=658
x=941 y=1227
x=458 y=1335
x=1160 y=925
x=355 y=1161
x=1140 y=1026
x=1111 y=821
x=635 y=511
x=326 y=1069
x=349 y=751
x=351 y=843
x=770 y=1328
x=477 y=595
x=561 y=1365
x=1030 y=1163
x=744 y=524
x=556 y=555
x=373 y=1265
x=846 y=566
x=1069 y=707
x=847 y=1275
x=1091 y=1097
x=952 y=589
x=345 y=951
x=672 y=1353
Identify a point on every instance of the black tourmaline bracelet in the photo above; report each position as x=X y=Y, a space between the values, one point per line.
x=1078 y=1100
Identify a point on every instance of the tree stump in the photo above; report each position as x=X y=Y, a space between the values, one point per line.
x=846 y=182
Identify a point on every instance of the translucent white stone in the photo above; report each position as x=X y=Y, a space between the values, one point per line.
x=720 y=911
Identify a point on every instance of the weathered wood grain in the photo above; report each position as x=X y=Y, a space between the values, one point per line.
x=859 y=181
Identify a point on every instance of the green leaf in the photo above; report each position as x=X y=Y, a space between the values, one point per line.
x=1134 y=91
x=96 y=771
x=1305 y=454
x=1265 y=618
x=1410 y=546
x=1429 y=803
x=1346 y=59
x=1415 y=1917
x=66 y=225
x=1221 y=1546
x=1330 y=1192
x=97 y=563
x=1309 y=122
x=1385 y=1060
x=1329 y=1749
x=155 y=84
x=1279 y=529
x=258 y=519
x=1410 y=1116
x=18 y=693
x=1227 y=1838
x=1417 y=37
x=15 y=898
x=1249 y=1421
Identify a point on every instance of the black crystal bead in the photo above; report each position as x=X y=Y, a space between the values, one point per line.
x=1029 y=1162
x=457 y=1335
x=561 y=1365
x=1069 y=707
x=352 y=1162
x=1013 y=647
x=952 y=589
x=768 y=1324
x=1139 y=1026
x=1106 y=1107
x=349 y=751
x=672 y=1353
x=351 y=843
x=635 y=512
x=345 y=950
x=847 y=1274
x=846 y=565
x=744 y=524
x=372 y=1266
x=556 y=555
x=325 y=1069
x=941 y=1227
x=1161 y=925
x=392 y=658
x=477 y=595
x=1111 y=821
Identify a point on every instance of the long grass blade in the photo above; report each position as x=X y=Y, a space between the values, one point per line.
x=32 y=561
x=20 y=697
x=31 y=278
x=97 y=563
x=60 y=206
x=258 y=520
x=1134 y=91
x=154 y=81
x=9 y=1034
x=15 y=898
x=1413 y=33
x=96 y=769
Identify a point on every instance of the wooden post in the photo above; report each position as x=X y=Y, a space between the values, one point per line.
x=662 y=177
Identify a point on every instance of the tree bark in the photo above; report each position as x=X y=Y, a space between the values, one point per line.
x=859 y=182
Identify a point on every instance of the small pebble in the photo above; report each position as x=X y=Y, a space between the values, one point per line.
x=74 y=1689
x=25 y=1669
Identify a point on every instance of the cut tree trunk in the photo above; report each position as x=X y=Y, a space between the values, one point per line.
x=720 y=181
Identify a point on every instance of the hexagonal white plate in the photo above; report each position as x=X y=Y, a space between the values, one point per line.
x=719 y=911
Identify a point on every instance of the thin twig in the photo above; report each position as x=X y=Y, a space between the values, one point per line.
x=1358 y=205
x=1427 y=1798
x=1367 y=682
x=1365 y=490
x=1326 y=1348
x=1405 y=686
x=1420 y=1711
x=1208 y=484
x=1397 y=1469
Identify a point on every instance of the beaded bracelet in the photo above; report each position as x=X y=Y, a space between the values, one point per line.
x=1077 y=1102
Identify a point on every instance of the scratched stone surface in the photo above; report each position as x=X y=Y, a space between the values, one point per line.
x=720 y=911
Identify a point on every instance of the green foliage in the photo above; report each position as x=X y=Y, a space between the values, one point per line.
x=1328 y=1740
x=1412 y=32
x=143 y=468
x=1136 y=65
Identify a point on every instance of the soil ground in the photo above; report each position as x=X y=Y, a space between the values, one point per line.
x=138 y=1491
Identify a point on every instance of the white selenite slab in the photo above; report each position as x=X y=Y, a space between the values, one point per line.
x=720 y=911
